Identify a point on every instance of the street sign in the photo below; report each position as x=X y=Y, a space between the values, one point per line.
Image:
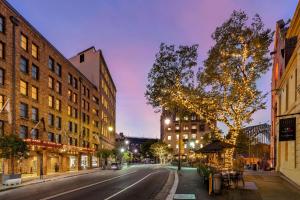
x=287 y=129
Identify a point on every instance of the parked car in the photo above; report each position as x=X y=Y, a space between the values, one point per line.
x=115 y=166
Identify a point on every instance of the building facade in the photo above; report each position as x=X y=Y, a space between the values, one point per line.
x=49 y=101
x=286 y=101
x=190 y=129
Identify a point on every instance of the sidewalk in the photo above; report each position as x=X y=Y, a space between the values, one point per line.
x=259 y=186
x=51 y=177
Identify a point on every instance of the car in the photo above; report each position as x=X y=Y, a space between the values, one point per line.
x=115 y=166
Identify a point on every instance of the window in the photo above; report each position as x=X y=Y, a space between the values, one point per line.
x=1 y=101
x=23 y=132
x=23 y=110
x=70 y=126
x=1 y=128
x=34 y=134
x=34 y=93
x=50 y=82
x=69 y=110
x=87 y=92
x=58 y=122
x=194 y=127
x=185 y=128
x=50 y=119
x=177 y=136
x=24 y=65
x=202 y=127
x=35 y=114
x=75 y=113
x=193 y=117
x=96 y=100
x=58 y=105
x=169 y=137
x=177 y=118
x=69 y=95
x=35 y=72
x=177 y=127
x=58 y=138
x=50 y=137
x=70 y=79
x=185 y=136
x=194 y=136
x=87 y=106
x=24 y=88
x=24 y=42
x=75 y=127
x=58 y=87
x=186 y=118
x=83 y=90
x=2 y=50
x=81 y=58
x=87 y=119
x=95 y=111
x=58 y=70
x=75 y=83
x=34 y=50
x=2 y=77
x=51 y=101
x=51 y=64
x=2 y=24
x=74 y=97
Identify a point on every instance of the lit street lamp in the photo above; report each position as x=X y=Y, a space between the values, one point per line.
x=122 y=150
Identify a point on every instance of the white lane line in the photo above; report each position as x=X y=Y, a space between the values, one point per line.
x=86 y=186
x=130 y=186
x=174 y=188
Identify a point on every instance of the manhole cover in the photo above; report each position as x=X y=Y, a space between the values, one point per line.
x=184 y=196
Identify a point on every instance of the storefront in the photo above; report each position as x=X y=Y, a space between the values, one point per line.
x=84 y=162
x=72 y=163
x=53 y=163
x=94 y=161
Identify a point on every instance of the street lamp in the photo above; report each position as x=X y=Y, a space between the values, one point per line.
x=167 y=122
x=122 y=150
x=126 y=142
x=110 y=128
x=135 y=151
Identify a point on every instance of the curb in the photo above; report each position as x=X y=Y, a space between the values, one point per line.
x=165 y=191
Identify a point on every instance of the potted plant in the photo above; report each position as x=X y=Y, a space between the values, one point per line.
x=14 y=148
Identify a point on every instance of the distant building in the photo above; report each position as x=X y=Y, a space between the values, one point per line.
x=191 y=127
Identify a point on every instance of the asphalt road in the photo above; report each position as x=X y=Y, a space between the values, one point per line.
x=136 y=183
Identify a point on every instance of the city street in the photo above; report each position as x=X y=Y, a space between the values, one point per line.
x=142 y=182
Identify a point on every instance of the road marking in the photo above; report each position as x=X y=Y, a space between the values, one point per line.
x=130 y=186
x=174 y=188
x=86 y=186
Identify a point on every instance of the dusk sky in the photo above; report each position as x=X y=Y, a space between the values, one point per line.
x=129 y=33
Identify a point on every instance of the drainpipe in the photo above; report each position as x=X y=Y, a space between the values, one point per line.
x=15 y=23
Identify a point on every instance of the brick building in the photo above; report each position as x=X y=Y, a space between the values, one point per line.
x=51 y=102
x=191 y=129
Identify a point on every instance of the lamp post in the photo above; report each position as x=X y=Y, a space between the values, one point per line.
x=167 y=122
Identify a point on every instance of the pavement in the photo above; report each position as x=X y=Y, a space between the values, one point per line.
x=258 y=186
x=134 y=183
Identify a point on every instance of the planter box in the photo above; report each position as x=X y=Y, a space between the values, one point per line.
x=11 y=179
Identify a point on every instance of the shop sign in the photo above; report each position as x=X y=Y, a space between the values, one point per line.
x=287 y=129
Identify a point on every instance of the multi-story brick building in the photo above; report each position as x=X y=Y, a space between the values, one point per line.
x=191 y=129
x=54 y=105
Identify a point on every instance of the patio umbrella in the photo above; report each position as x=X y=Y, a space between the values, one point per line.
x=215 y=147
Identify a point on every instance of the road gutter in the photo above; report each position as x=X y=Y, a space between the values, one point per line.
x=174 y=188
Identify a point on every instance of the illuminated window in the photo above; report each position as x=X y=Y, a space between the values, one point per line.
x=177 y=127
x=34 y=93
x=169 y=128
x=24 y=42
x=177 y=146
x=169 y=145
x=194 y=127
x=34 y=50
x=185 y=146
x=197 y=141
x=193 y=117
x=50 y=82
x=74 y=97
x=185 y=136
x=69 y=110
x=177 y=136
x=58 y=105
x=51 y=101
x=194 y=136
x=186 y=118
x=185 y=128
x=24 y=88
x=177 y=118
x=2 y=50
x=1 y=101
x=69 y=95
x=169 y=137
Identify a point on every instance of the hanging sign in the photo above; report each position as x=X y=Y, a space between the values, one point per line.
x=287 y=129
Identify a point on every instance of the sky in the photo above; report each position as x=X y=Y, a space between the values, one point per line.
x=129 y=33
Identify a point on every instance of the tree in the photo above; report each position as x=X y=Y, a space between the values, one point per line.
x=145 y=149
x=160 y=150
x=105 y=154
x=226 y=86
x=14 y=148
